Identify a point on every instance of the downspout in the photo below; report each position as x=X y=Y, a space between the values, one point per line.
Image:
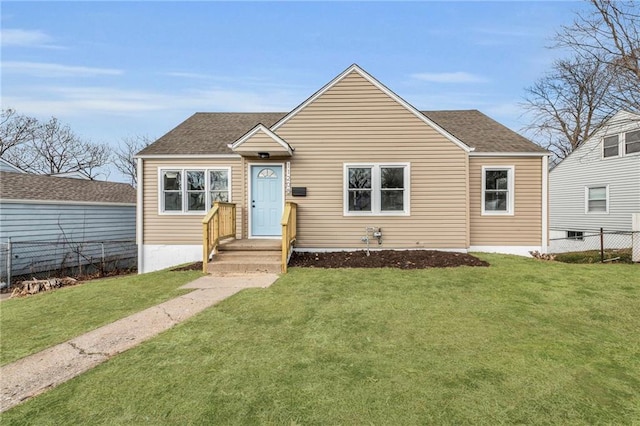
x=139 y=215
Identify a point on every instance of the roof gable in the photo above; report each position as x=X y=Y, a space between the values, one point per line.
x=270 y=143
x=355 y=68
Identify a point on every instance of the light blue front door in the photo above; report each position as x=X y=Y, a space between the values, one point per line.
x=266 y=200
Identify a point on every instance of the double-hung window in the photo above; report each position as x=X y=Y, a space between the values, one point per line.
x=497 y=190
x=632 y=142
x=193 y=190
x=376 y=189
x=596 y=199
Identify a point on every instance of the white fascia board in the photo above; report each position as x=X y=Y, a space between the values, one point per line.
x=261 y=128
x=65 y=202
x=383 y=88
x=509 y=154
x=187 y=156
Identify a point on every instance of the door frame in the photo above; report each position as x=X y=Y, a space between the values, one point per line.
x=250 y=165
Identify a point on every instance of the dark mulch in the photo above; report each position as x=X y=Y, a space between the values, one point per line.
x=197 y=266
x=402 y=259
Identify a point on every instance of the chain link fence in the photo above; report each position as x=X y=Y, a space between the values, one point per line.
x=20 y=260
x=603 y=245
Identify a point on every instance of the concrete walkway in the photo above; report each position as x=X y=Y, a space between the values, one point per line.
x=39 y=372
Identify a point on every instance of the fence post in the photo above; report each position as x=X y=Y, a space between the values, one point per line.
x=635 y=237
x=9 y=256
x=601 y=245
x=102 y=263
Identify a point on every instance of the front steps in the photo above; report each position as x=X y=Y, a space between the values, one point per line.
x=247 y=256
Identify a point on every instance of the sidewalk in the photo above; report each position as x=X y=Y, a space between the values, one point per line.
x=39 y=372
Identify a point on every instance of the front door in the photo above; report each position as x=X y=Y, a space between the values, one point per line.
x=266 y=200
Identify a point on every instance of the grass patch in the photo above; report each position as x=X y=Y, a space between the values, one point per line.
x=521 y=341
x=31 y=324
x=593 y=256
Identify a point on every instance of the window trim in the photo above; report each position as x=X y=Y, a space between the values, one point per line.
x=376 y=189
x=586 y=199
x=511 y=193
x=577 y=235
x=207 y=185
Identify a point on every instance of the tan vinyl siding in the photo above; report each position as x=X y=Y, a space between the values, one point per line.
x=260 y=142
x=355 y=122
x=182 y=228
x=524 y=227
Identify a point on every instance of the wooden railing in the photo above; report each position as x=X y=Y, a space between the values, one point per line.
x=289 y=232
x=218 y=224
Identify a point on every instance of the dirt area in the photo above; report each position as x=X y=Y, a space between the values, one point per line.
x=197 y=266
x=402 y=259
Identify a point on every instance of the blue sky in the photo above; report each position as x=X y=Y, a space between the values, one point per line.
x=116 y=69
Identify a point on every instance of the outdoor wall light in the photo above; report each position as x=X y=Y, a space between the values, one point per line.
x=263 y=155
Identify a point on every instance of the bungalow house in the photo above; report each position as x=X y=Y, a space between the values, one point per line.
x=597 y=186
x=352 y=165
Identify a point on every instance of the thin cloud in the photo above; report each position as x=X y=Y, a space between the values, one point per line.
x=187 y=75
x=26 y=38
x=449 y=77
x=46 y=70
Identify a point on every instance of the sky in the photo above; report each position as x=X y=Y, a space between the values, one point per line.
x=113 y=70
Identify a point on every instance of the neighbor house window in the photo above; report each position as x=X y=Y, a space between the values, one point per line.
x=596 y=199
x=497 y=190
x=193 y=191
x=611 y=146
x=632 y=142
x=380 y=189
x=575 y=235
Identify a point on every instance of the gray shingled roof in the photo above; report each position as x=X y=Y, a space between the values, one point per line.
x=481 y=132
x=209 y=133
x=26 y=186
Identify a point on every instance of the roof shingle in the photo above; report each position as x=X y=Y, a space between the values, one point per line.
x=209 y=133
x=26 y=186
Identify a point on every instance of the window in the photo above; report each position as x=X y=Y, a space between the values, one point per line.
x=632 y=142
x=611 y=146
x=498 y=191
x=596 y=199
x=575 y=235
x=376 y=189
x=193 y=191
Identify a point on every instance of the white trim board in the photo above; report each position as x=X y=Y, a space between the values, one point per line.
x=187 y=156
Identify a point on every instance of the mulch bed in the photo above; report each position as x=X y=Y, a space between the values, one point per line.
x=401 y=259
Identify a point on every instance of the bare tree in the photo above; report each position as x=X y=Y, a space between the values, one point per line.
x=569 y=104
x=610 y=34
x=122 y=157
x=15 y=129
x=54 y=148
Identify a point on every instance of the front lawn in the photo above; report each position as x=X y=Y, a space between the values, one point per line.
x=31 y=324
x=519 y=342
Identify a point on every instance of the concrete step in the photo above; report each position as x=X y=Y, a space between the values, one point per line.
x=235 y=266
x=250 y=245
x=248 y=256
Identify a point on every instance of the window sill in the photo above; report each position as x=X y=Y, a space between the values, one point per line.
x=380 y=214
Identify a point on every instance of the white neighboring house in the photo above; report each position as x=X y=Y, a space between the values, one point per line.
x=597 y=186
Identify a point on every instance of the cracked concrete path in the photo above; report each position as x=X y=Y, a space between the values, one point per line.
x=44 y=370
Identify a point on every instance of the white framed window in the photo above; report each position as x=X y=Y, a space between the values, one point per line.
x=575 y=235
x=380 y=189
x=632 y=142
x=611 y=146
x=192 y=191
x=596 y=199
x=498 y=192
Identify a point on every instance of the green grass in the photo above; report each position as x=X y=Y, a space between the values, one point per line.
x=593 y=256
x=31 y=324
x=520 y=342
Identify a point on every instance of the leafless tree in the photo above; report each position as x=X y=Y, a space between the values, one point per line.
x=15 y=129
x=569 y=104
x=600 y=76
x=122 y=157
x=609 y=33
x=54 y=148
